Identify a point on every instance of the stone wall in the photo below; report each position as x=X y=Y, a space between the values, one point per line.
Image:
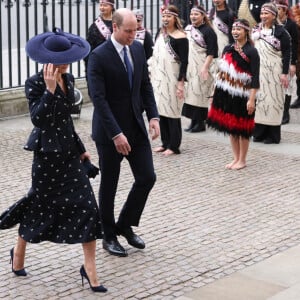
x=14 y=103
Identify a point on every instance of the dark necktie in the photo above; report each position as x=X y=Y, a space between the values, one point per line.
x=128 y=67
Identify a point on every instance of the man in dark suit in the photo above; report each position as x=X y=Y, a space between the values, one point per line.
x=118 y=81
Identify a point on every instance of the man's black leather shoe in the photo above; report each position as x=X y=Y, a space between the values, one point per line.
x=114 y=247
x=133 y=239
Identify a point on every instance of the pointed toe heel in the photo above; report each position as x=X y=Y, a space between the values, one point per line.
x=97 y=289
x=21 y=272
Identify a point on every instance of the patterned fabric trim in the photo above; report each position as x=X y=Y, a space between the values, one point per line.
x=140 y=34
x=104 y=30
x=241 y=53
x=220 y=24
x=197 y=36
x=169 y=47
x=270 y=39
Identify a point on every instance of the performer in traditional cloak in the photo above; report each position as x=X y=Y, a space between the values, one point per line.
x=222 y=18
x=203 y=48
x=274 y=48
x=167 y=67
x=232 y=109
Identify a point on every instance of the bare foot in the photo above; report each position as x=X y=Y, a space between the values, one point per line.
x=159 y=149
x=239 y=166
x=230 y=165
x=168 y=152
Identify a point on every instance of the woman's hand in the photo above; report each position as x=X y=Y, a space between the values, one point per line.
x=203 y=73
x=250 y=107
x=50 y=73
x=180 y=90
x=284 y=80
x=84 y=156
x=292 y=70
x=180 y=93
x=251 y=101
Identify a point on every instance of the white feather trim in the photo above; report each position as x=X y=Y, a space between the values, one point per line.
x=232 y=90
x=224 y=66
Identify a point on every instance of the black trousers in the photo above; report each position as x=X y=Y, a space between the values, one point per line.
x=267 y=132
x=141 y=164
x=198 y=114
x=171 y=133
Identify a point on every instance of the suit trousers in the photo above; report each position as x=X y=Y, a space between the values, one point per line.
x=141 y=163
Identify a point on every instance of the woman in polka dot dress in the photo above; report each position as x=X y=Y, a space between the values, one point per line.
x=60 y=206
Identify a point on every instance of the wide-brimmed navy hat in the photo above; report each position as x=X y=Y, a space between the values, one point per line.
x=57 y=47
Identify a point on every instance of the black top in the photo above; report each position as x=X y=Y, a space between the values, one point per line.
x=285 y=42
x=181 y=48
x=291 y=28
x=94 y=36
x=252 y=65
x=227 y=16
x=210 y=38
x=234 y=4
x=148 y=44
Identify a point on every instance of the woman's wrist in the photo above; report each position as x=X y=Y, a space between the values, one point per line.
x=180 y=85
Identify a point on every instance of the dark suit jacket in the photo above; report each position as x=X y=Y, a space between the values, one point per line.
x=51 y=116
x=117 y=108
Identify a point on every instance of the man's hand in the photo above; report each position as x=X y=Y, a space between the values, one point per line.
x=122 y=145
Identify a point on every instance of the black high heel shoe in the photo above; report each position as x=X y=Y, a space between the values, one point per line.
x=98 y=289
x=21 y=272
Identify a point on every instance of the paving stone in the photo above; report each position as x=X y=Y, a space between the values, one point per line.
x=201 y=222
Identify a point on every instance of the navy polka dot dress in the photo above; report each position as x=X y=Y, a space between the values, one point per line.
x=60 y=206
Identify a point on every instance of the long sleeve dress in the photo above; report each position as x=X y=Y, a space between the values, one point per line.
x=60 y=205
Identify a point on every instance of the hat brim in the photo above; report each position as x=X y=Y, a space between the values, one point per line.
x=37 y=51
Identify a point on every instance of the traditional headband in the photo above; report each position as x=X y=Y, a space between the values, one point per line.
x=270 y=10
x=168 y=12
x=240 y=24
x=198 y=10
x=139 y=17
x=282 y=5
x=106 y=2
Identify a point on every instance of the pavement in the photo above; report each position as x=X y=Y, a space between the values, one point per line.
x=210 y=233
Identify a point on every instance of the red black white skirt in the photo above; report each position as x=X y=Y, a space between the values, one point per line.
x=228 y=112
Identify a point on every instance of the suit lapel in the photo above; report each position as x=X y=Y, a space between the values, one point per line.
x=117 y=57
